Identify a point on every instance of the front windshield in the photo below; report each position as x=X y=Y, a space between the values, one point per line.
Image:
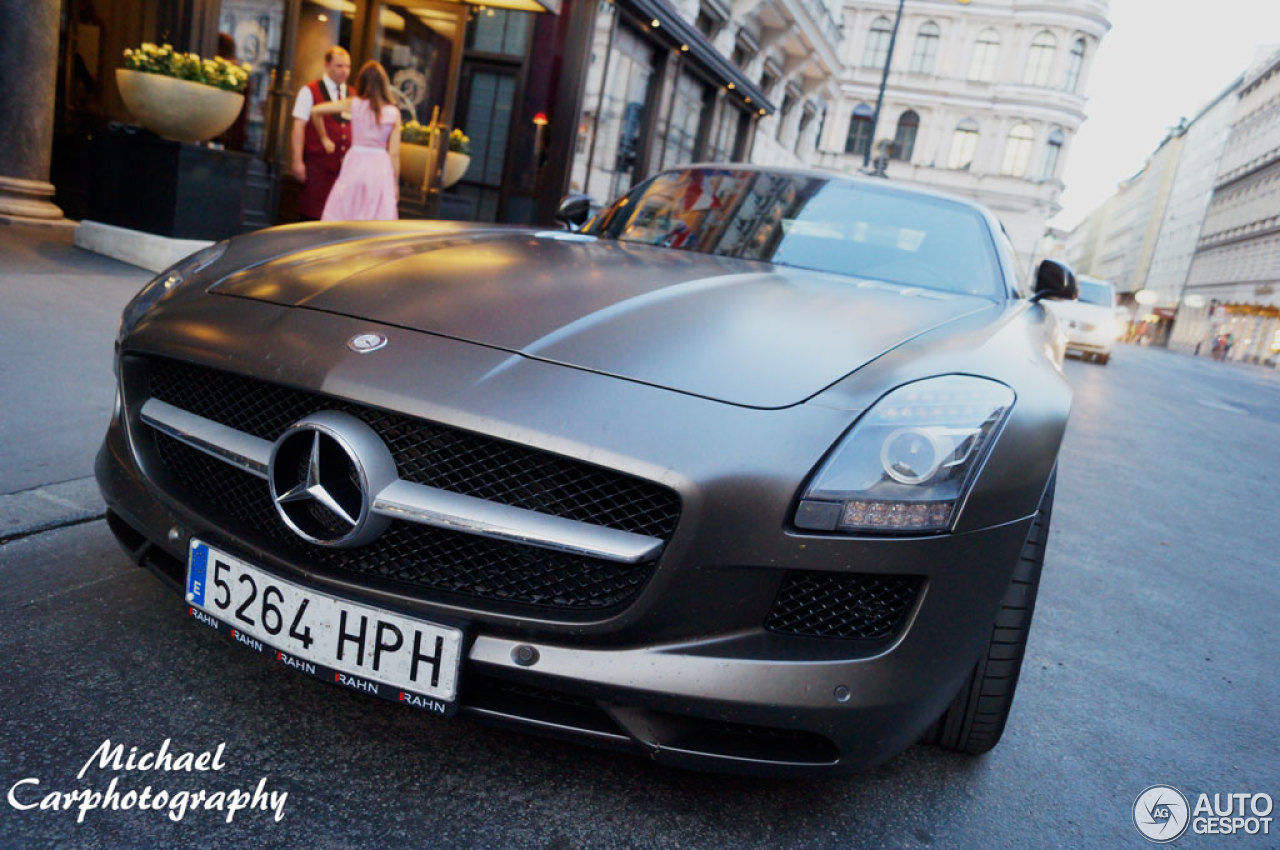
x=1096 y=292
x=810 y=222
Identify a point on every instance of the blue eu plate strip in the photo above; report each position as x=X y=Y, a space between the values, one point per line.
x=195 y=575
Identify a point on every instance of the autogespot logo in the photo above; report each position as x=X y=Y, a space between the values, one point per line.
x=1161 y=813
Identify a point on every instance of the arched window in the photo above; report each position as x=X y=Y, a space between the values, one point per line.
x=964 y=144
x=1017 y=151
x=904 y=140
x=985 y=53
x=926 y=49
x=1075 y=61
x=876 y=52
x=1040 y=59
x=1052 y=151
x=859 y=140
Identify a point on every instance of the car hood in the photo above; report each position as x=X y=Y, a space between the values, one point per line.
x=738 y=331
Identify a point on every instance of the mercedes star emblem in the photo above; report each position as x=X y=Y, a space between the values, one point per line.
x=364 y=343
x=325 y=471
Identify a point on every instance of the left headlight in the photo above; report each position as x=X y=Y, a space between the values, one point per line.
x=908 y=462
x=165 y=282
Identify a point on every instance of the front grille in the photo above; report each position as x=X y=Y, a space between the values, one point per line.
x=842 y=605
x=414 y=559
x=429 y=453
x=409 y=558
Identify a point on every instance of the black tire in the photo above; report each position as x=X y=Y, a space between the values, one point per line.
x=1103 y=359
x=975 y=720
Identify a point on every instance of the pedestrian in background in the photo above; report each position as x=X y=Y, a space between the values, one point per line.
x=313 y=164
x=367 y=188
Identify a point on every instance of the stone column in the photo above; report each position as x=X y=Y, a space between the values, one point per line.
x=29 y=64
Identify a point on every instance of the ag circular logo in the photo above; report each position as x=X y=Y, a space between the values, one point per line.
x=364 y=343
x=325 y=471
x=1161 y=814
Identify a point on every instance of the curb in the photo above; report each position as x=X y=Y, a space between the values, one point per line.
x=48 y=507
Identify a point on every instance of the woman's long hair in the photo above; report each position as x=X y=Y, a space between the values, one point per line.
x=372 y=84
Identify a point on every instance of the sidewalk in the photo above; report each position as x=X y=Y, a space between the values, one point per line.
x=61 y=308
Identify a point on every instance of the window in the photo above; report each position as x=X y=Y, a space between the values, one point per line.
x=926 y=49
x=487 y=100
x=806 y=118
x=768 y=79
x=504 y=33
x=876 y=53
x=1052 y=150
x=964 y=144
x=784 y=114
x=727 y=135
x=1017 y=151
x=690 y=102
x=744 y=49
x=985 y=53
x=1040 y=59
x=619 y=81
x=1075 y=61
x=904 y=140
x=859 y=140
x=709 y=20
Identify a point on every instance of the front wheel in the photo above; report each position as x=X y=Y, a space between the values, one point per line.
x=975 y=720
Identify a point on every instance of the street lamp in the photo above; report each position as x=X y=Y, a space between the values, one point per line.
x=884 y=79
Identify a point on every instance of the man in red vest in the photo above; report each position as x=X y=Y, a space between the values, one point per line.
x=316 y=169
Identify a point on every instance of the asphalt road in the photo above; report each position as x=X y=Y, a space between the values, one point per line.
x=1153 y=659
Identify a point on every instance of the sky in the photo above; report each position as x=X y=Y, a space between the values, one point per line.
x=1162 y=59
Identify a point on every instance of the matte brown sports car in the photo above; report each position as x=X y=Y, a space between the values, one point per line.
x=751 y=473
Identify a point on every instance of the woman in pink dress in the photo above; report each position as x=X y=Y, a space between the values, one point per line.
x=368 y=184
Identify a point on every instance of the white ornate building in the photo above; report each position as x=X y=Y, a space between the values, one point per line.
x=982 y=99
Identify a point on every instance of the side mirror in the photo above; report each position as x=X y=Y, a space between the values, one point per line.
x=574 y=210
x=1055 y=280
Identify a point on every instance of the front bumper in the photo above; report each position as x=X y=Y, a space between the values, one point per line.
x=731 y=696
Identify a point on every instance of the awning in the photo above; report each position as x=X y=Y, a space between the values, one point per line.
x=678 y=33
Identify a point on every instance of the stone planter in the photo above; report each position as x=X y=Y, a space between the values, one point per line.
x=413 y=164
x=455 y=165
x=178 y=109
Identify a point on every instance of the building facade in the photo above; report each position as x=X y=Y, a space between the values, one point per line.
x=981 y=100
x=593 y=96
x=1233 y=287
x=556 y=95
x=1192 y=189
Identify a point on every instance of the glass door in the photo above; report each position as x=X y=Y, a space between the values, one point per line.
x=254 y=32
x=250 y=31
x=616 y=106
x=419 y=43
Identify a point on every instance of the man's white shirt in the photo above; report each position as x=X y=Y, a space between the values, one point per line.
x=303 y=103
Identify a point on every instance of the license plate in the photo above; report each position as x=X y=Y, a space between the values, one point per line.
x=368 y=649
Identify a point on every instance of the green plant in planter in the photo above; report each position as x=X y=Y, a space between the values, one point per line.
x=167 y=62
x=413 y=133
x=460 y=142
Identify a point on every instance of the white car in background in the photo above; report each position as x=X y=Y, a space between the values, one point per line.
x=1089 y=323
